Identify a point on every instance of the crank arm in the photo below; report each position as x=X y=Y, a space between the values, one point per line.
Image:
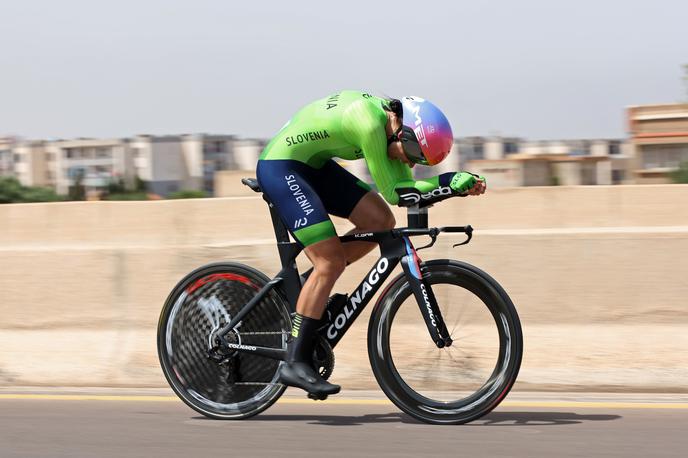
x=267 y=352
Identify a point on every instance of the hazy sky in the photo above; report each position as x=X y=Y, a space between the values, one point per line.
x=532 y=68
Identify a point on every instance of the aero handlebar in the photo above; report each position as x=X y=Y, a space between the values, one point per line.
x=433 y=232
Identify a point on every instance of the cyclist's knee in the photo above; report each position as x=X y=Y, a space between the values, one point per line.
x=328 y=258
x=331 y=267
x=372 y=214
x=389 y=220
x=381 y=220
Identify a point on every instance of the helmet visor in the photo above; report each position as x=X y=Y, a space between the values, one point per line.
x=412 y=148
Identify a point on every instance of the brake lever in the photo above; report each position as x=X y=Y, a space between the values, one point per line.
x=469 y=233
x=433 y=235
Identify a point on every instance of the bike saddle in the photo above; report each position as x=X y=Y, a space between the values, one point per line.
x=251 y=183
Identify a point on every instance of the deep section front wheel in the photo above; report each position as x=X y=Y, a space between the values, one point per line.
x=242 y=384
x=462 y=381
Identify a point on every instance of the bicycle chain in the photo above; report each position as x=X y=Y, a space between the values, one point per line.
x=255 y=333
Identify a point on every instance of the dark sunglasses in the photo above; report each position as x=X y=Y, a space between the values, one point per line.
x=409 y=144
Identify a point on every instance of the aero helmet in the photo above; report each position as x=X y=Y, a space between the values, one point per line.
x=426 y=135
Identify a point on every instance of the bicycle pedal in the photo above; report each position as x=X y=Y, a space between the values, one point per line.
x=317 y=397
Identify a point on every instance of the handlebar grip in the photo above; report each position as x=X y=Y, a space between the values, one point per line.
x=416 y=231
x=434 y=231
x=466 y=229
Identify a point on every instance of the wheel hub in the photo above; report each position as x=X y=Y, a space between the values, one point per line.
x=220 y=352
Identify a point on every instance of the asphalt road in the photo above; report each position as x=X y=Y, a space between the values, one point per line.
x=147 y=426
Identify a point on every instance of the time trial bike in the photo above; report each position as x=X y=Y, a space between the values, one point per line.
x=444 y=339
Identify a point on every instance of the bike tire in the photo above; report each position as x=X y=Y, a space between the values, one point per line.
x=497 y=385
x=202 y=301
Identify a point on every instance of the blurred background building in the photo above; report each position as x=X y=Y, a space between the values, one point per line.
x=166 y=163
x=512 y=161
x=93 y=162
x=552 y=162
x=659 y=135
x=33 y=164
x=6 y=156
x=657 y=145
x=203 y=156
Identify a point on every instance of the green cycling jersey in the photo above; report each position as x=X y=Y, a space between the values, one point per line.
x=349 y=125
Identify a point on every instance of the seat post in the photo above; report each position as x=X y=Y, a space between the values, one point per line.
x=288 y=250
x=281 y=233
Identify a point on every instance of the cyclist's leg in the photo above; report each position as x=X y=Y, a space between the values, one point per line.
x=288 y=185
x=344 y=195
x=370 y=214
x=329 y=260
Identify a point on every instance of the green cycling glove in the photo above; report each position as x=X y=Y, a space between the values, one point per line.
x=463 y=181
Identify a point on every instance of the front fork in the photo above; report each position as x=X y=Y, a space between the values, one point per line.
x=425 y=297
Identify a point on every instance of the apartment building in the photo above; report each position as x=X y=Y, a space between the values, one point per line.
x=167 y=163
x=247 y=151
x=159 y=161
x=484 y=148
x=171 y=163
x=204 y=155
x=659 y=135
x=97 y=162
x=551 y=162
x=34 y=164
x=7 y=145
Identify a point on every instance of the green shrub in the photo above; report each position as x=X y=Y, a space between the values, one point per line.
x=188 y=194
x=140 y=185
x=681 y=174
x=116 y=186
x=127 y=196
x=12 y=191
x=38 y=194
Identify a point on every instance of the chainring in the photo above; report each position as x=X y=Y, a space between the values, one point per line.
x=323 y=357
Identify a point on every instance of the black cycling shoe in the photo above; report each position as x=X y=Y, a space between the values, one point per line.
x=302 y=375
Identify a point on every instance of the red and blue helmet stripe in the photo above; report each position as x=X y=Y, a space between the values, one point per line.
x=426 y=134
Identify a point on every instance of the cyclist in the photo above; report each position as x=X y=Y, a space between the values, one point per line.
x=297 y=173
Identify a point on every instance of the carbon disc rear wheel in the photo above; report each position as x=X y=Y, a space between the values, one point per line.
x=204 y=301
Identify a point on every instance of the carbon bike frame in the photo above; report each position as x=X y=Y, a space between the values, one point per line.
x=395 y=246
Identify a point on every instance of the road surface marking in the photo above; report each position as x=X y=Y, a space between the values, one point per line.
x=507 y=403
